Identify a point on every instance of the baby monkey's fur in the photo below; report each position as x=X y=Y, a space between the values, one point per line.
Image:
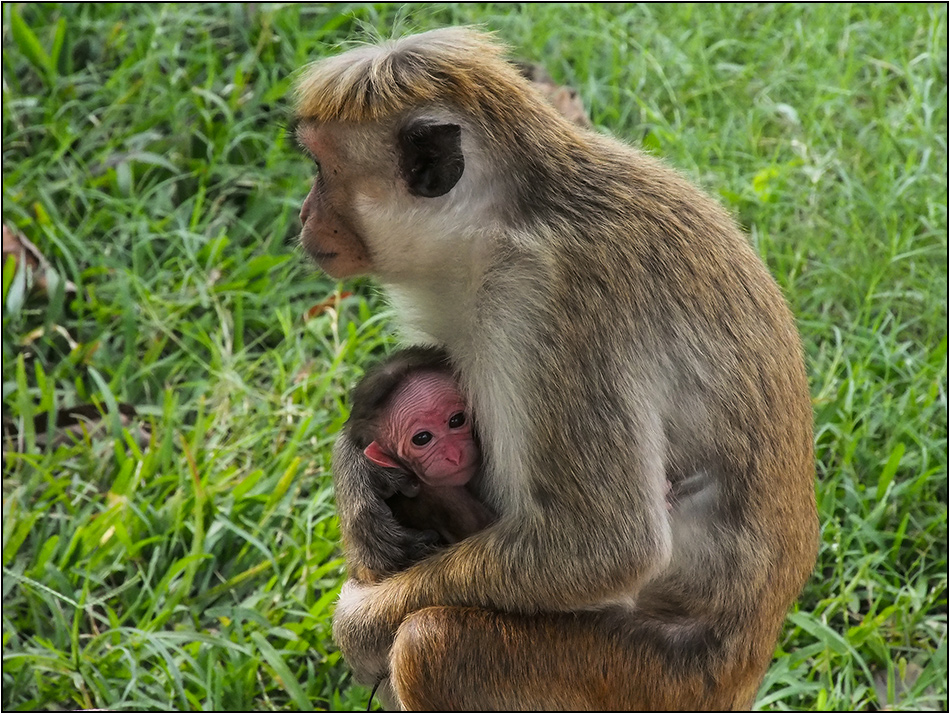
x=389 y=518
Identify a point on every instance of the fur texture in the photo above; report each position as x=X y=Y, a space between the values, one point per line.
x=613 y=331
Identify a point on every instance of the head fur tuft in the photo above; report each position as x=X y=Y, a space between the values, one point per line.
x=368 y=83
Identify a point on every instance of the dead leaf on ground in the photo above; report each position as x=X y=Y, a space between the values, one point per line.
x=33 y=335
x=331 y=302
x=565 y=99
x=28 y=256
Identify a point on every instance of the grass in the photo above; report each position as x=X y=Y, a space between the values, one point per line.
x=145 y=154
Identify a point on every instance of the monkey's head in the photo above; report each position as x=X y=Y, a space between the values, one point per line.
x=408 y=138
x=426 y=428
x=408 y=413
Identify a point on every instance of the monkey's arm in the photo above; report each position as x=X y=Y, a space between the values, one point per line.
x=376 y=545
x=453 y=512
x=549 y=557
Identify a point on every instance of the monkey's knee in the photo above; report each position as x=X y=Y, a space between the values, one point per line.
x=428 y=659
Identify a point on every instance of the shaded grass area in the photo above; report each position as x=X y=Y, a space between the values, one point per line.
x=145 y=154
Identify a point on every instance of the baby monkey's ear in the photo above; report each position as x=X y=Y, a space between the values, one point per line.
x=374 y=452
x=430 y=157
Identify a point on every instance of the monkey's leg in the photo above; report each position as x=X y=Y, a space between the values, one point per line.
x=450 y=658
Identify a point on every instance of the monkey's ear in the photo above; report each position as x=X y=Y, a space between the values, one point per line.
x=430 y=157
x=379 y=457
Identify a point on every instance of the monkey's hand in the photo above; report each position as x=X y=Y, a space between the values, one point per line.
x=376 y=544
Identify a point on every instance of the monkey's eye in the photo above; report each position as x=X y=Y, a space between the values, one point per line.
x=457 y=420
x=422 y=438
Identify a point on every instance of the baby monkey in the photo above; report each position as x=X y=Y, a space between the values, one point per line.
x=409 y=418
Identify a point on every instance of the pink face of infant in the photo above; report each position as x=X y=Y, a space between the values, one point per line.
x=427 y=428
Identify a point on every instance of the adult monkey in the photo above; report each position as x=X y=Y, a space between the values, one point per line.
x=612 y=329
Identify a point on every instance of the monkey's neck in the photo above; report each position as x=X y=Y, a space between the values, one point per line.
x=436 y=312
x=435 y=299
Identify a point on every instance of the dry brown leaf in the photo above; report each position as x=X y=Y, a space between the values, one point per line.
x=28 y=255
x=331 y=302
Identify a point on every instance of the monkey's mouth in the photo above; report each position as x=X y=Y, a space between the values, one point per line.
x=320 y=256
x=311 y=244
x=464 y=473
x=316 y=252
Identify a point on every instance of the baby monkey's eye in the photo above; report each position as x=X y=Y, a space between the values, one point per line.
x=457 y=420
x=422 y=438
